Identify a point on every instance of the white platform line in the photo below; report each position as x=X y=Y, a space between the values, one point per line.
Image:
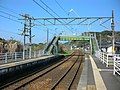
x=98 y=79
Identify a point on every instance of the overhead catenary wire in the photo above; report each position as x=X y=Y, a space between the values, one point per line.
x=49 y=8
x=45 y=27
x=53 y=12
x=10 y=10
x=43 y=8
x=6 y=31
x=9 y=14
x=60 y=6
x=11 y=19
x=48 y=11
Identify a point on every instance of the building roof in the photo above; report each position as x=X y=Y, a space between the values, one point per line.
x=105 y=45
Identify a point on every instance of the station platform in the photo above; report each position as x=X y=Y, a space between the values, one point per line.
x=23 y=62
x=96 y=76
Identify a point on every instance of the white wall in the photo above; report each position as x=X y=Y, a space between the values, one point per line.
x=109 y=49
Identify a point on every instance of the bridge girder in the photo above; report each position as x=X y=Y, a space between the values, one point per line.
x=71 y=38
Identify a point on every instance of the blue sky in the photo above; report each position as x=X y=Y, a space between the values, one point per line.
x=84 y=8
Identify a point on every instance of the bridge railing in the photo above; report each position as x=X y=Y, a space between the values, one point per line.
x=17 y=56
x=116 y=65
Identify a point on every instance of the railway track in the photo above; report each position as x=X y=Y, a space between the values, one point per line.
x=60 y=76
x=67 y=79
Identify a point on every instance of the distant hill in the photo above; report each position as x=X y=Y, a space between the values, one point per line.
x=107 y=36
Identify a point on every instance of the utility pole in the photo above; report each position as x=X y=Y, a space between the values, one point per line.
x=24 y=34
x=30 y=38
x=27 y=32
x=24 y=41
x=113 y=33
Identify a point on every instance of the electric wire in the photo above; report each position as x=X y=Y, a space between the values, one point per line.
x=11 y=19
x=9 y=32
x=60 y=6
x=48 y=11
x=10 y=10
x=53 y=12
x=44 y=26
x=9 y=14
x=43 y=8
x=49 y=8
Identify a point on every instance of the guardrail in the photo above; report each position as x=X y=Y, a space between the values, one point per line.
x=17 y=56
x=116 y=65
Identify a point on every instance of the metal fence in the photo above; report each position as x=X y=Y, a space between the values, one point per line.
x=17 y=56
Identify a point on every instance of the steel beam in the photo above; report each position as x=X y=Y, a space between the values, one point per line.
x=76 y=20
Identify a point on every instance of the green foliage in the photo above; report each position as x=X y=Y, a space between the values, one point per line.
x=39 y=46
x=2 y=40
x=107 y=36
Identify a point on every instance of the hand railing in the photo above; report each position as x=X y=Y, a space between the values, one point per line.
x=110 y=60
x=116 y=65
x=18 y=56
x=106 y=58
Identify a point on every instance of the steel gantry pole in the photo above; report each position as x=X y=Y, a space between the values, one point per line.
x=113 y=33
x=24 y=33
x=30 y=38
x=27 y=32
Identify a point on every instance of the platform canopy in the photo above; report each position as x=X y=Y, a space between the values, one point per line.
x=71 y=38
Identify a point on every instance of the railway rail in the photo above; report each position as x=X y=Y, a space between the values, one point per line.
x=61 y=76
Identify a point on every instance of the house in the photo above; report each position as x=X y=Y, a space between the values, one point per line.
x=107 y=47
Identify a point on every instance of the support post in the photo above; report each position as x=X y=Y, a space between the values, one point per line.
x=27 y=32
x=47 y=35
x=113 y=33
x=114 y=66
x=103 y=57
x=15 y=56
x=6 y=58
x=91 y=44
x=107 y=60
x=24 y=33
x=30 y=39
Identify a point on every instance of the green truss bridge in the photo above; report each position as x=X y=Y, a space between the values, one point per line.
x=53 y=46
